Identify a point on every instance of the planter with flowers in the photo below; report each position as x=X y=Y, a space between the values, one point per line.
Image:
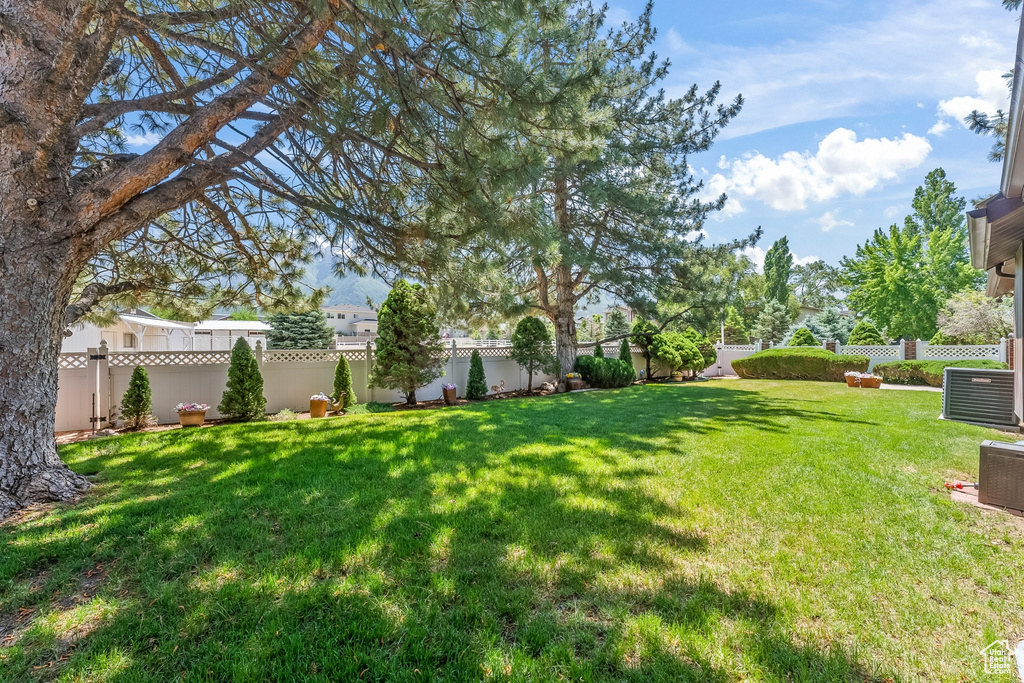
x=318 y=405
x=852 y=379
x=573 y=381
x=449 y=391
x=191 y=414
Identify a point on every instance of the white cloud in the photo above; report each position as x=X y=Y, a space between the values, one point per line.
x=891 y=212
x=617 y=16
x=676 y=43
x=147 y=139
x=992 y=94
x=694 y=235
x=939 y=128
x=803 y=261
x=842 y=165
x=907 y=52
x=831 y=220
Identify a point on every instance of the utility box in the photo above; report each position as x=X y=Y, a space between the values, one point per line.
x=1001 y=474
x=979 y=396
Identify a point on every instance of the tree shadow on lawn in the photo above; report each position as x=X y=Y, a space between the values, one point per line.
x=487 y=542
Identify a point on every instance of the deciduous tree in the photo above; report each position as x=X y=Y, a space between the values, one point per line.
x=778 y=264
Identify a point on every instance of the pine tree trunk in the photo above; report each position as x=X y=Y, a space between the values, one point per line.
x=565 y=321
x=410 y=398
x=34 y=292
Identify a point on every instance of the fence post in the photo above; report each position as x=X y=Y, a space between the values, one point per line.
x=757 y=346
x=453 y=362
x=920 y=350
x=258 y=352
x=369 y=368
x=99 y=373
x=1002 y=350
x=903 y=349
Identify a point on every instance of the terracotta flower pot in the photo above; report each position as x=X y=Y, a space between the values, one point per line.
x=871 y=382
x=449 y=395
x=318 y=408
x=574 y=384
x=852 y=381
x=677 y=376
x=191 y=418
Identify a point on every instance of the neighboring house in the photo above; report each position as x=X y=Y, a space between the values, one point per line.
x=135 y=330
x=221 y=335
x=996 y=228
x=806 y=312
x=351 y=320
x=140 y=330
x=628 y=312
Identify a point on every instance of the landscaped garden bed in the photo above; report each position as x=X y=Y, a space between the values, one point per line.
x=928 y=372
x=765 y=531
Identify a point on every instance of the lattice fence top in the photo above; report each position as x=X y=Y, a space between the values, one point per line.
x=158 y=358
x=484 y=351
x=73 y=361
x=735 y=347
x=873 y=351
x=303 y=356
x=982 y=351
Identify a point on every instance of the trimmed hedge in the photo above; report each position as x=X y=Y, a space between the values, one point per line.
x=927 y=372
x=605 y=373
x=799 y=363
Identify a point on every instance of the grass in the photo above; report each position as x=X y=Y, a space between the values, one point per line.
x=743 y=530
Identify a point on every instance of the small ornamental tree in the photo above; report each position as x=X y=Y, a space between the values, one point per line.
x=299 y=331
x=865 y=334
x=136 y=403
x=531 y=348
x=343 y=392
x=772 y=323
x=624 y=353
x=803 y=337
x=476 y=385
x=243 y=397
x=409 y=348
x=598 y=351
x=643 y=334
x=703 y=344
x=735 y=330
x=676 y=351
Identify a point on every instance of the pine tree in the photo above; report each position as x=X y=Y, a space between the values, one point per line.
x=343 y=384
x=136 y=404
x=409 y=348
x=476 y=385
x=866 y=334
x=624 y=353
x=531 y=348
x=598 y=351
x=616 y=323
x=703 y=344
x=299 y=331
x=772 y=323
x=676 y=351
x=803 y=337
x=243 y=397
x=735 y=330
x=642 y=335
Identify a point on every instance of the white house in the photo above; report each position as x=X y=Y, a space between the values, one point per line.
x=135 y=330
x=220 y=335
x=351 y=320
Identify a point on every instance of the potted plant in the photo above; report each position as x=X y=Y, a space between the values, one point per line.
x=318 y=404
x=448 y=391
x=871 y=381
x=191 y=414
x=677 y=376
x=573 y=381
x=852 y=379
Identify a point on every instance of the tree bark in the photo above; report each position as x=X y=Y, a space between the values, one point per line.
x=34 y=291
x=565 y=320
x=410 y=398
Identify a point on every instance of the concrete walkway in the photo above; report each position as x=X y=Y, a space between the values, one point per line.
x=908 y=387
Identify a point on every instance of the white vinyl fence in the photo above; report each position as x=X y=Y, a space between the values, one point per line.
x=91 y=384
x=876 y=354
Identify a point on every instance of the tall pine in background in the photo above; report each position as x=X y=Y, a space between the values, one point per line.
x=243 y=398
x=778 y=263
x=343 y=392
x=476 y=385
x=307 y=330
x=136 y=403
x=409 y=348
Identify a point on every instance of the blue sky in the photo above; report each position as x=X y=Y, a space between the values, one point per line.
x=848 y=106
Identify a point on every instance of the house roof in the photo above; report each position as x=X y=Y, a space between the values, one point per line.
x=996 y=227
x=150 y=320
x=347 y=307
x=233 y=325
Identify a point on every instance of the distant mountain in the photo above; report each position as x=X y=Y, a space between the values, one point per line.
x=348 y=289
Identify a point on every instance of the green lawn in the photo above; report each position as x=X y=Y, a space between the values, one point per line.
x=733 y=530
